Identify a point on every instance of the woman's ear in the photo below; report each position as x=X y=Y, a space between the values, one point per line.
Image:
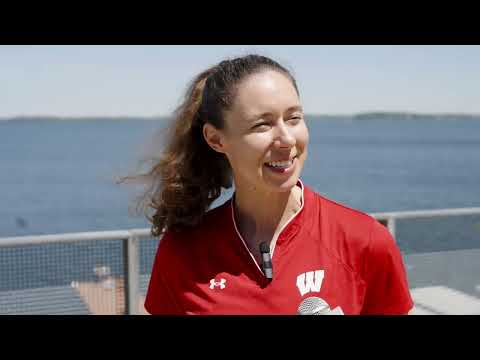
x=214 y=138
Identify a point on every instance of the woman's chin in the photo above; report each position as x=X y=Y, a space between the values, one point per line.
x=282 y=185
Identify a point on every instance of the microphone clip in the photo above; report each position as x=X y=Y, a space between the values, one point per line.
x=266 y=261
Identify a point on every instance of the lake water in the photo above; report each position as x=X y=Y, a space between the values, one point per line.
x=58 y=177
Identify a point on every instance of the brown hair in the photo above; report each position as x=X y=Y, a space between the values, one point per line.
x=189 y=175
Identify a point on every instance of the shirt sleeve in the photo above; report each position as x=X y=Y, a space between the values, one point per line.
x=387 y=290
x=159 y=299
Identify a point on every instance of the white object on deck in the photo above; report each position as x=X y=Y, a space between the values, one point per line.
x=445 y=301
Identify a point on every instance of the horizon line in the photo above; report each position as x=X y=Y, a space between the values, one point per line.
x=355 y=114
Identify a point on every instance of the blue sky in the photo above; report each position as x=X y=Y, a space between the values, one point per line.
x=142 y=80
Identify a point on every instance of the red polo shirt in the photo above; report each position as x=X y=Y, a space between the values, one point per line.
x=326 y=250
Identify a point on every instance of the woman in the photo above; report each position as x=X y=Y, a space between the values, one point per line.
x=276 y=247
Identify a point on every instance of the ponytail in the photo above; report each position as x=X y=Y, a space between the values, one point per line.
x=189 y=175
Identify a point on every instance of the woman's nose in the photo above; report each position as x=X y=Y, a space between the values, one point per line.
x=284 y=137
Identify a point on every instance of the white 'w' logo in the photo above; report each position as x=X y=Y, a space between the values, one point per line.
x=310 y=281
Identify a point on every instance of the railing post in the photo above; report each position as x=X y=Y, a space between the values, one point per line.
x=131 y=274
x=391 y=226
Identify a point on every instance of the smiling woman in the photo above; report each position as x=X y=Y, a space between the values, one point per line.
x=265 y=123
x=276 y=246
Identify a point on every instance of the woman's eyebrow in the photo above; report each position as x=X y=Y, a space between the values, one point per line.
x=255 y=117
x=295 y=108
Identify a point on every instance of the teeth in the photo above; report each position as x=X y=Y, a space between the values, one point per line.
x=280 y=163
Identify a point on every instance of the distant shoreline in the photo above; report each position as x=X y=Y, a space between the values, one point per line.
x=360 y=116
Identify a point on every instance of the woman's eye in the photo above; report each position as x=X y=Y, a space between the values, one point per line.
x=261 y=126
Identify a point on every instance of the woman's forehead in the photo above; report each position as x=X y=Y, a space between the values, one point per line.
x=265 y=92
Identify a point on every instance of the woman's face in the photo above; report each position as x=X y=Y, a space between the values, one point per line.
x=265 y=137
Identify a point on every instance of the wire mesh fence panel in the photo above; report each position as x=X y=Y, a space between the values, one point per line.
x=445 y=233
x=148 y=249
x=84 y=277
x=442 y=260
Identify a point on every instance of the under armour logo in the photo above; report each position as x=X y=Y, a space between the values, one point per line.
x=220 y=283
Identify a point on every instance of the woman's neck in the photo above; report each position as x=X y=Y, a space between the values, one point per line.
x=261 y=215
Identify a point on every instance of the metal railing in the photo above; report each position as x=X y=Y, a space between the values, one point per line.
x=389 y=218
x=131 y=243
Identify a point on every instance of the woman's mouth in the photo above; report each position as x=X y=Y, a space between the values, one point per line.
x=282 y=167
